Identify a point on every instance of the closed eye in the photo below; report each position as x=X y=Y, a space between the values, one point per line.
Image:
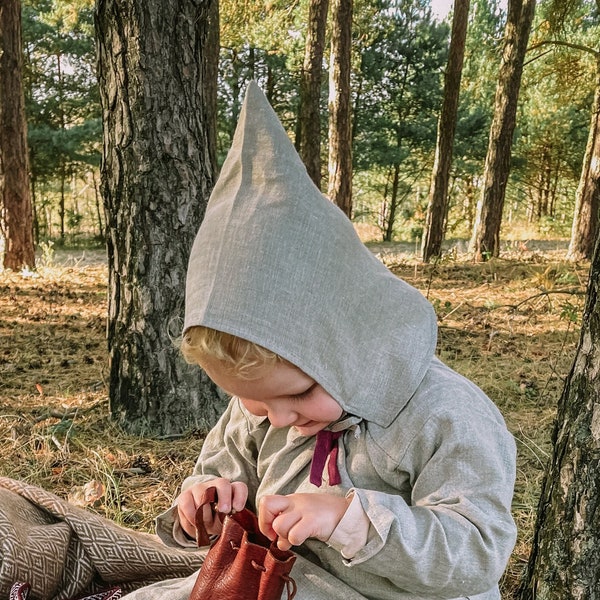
x=306 y=393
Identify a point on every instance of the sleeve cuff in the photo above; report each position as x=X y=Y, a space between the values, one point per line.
x=352 y=532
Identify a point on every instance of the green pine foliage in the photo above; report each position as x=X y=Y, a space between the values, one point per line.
x=554 y=117
x=395 y=120
x=399 y=57
x=63 y=114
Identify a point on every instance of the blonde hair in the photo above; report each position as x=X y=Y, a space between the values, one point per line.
x=236 y=355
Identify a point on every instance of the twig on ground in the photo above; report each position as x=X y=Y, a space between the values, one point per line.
x=515 y=307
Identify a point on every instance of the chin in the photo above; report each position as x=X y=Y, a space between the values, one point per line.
x=309 y=429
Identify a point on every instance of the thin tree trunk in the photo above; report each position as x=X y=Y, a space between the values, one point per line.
x=587 y=199
x=210 y=65
x=62 y=124
x=339 y=187
x=388 y=234
x=236 y=70
x=33 y=192
x=564 y=563
x=101 y=232
x=555 y=181
x=485 y=241
x=61 y=201
x=157 y=172
x=15 y=192
x=437 y=208
x=310 y=90
x=470 y=202
x=36 y=224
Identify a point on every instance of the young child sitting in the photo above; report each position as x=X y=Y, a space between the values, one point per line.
x=354 y=444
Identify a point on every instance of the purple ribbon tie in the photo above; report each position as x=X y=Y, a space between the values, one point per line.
x=326 y=447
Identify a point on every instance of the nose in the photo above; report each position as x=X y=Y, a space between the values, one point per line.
x=281 y=416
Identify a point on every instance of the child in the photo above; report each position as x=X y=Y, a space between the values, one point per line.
x=354 y=444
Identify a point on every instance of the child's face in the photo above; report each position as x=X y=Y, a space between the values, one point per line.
x=284 y=394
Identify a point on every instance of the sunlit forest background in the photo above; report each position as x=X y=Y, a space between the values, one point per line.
x=399 y=55
x=509 y=322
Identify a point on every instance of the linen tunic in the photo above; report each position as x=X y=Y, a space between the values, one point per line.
x=436 y=486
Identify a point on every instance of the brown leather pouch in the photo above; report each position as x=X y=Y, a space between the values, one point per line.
x=242 y=564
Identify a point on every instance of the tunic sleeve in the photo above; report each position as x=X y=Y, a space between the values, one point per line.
x=454 y=535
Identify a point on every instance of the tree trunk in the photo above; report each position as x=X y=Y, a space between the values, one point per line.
x=61 y=201
x=310 y=90
x=210 y=65
x=33 y=188
x=339 y=187
x=587 y=199
x=437 y=208
x=388 y=234
x=485 y=242
x=564 y=563
x=63 y=158
x=101 y=231
x=157 y=88
x=15 y=192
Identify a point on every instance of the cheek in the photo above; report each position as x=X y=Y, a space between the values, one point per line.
x=336 y=411
x=328 y=408
x=256 y=408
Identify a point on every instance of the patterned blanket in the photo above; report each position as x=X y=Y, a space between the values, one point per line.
x=64 y=551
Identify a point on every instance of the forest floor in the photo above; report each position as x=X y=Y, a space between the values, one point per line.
x=511 y=325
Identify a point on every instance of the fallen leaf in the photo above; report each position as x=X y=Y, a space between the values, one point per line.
x=88 y=494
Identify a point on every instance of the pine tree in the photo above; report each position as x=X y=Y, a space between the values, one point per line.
x=433 y=234
x=157 y=173
x=15 y=196
x=485 y=241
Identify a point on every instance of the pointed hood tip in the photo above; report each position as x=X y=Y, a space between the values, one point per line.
x=255 y=98
x=253 y=87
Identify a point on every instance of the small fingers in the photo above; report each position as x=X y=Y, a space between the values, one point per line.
x=283 y=544
x=289 y=530
x=211 y=521
x=239 y=495
x=187 y=525
x=228 y=495
x=186 y=510
x=224 y=492
x=269 y=508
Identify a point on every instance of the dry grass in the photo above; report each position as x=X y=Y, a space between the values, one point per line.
x=55 y=429
x=507 y=324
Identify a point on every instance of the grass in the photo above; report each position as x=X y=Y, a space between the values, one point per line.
x=511 y=325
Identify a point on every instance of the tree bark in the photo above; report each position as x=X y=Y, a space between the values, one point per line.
x=339 y=187
x=310 y=90
x=388 y=233
x=157 y=90
x=210 y=66
x=15 y=193
x=587 y=199
x=437 y=208
x=485 y=241
x=564 y=563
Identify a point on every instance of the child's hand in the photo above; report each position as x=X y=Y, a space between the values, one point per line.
x=230 y=496
x=294 y=518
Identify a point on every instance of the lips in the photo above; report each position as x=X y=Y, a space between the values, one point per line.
x=309 y=428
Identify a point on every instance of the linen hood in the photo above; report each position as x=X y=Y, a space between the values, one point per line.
x=276 y=263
